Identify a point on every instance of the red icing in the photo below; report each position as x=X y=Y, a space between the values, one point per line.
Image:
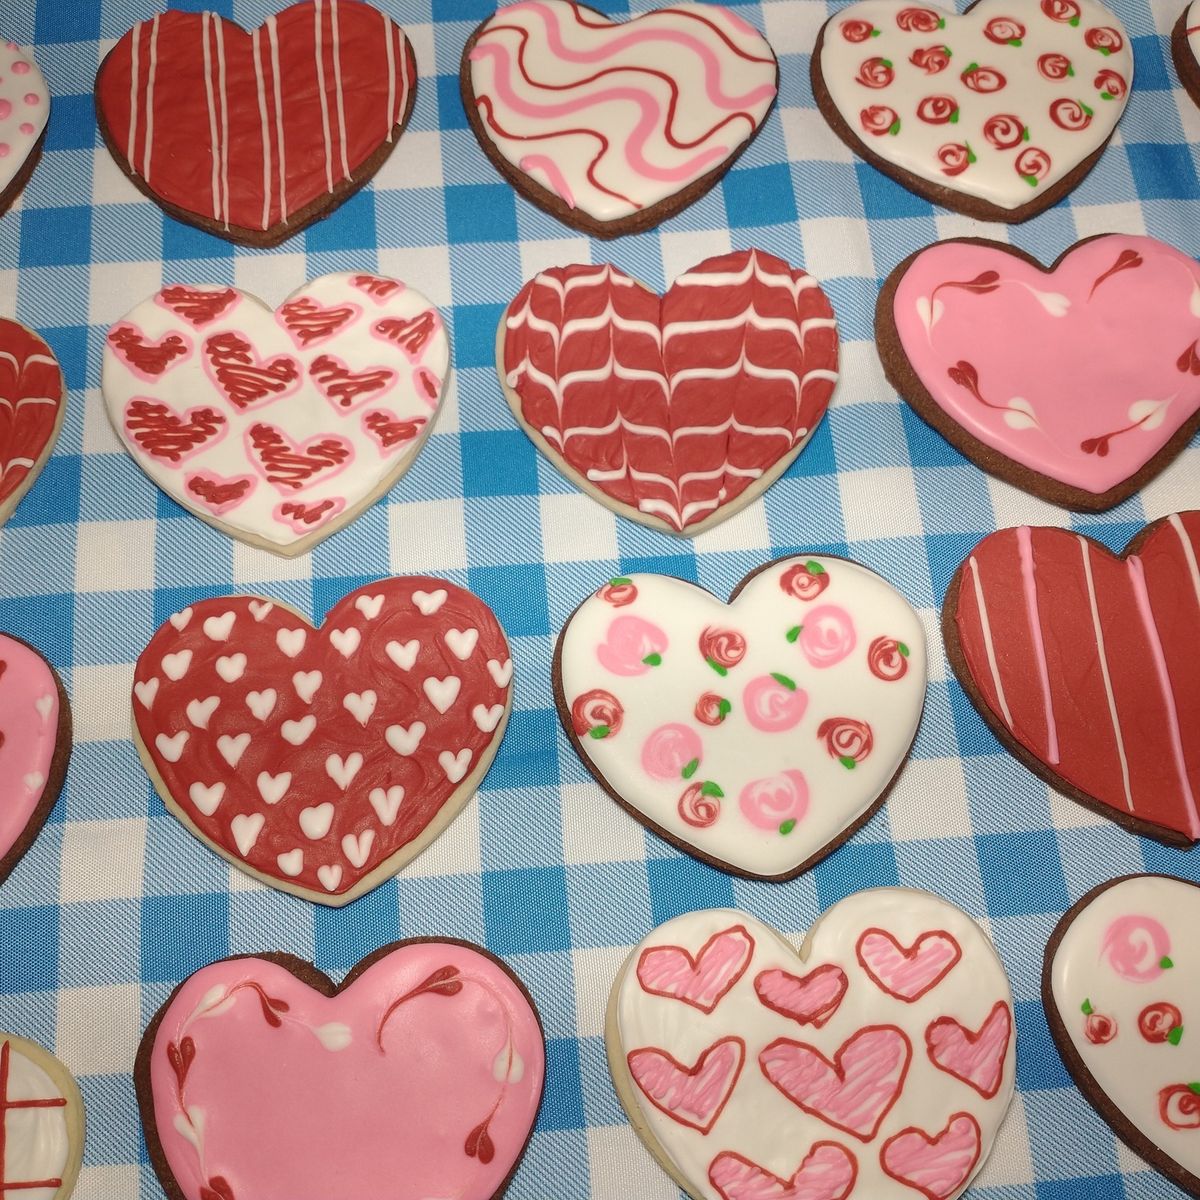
x=975 y=1056
x=220 y=495
x=388 y=431
x=31 y=398
x=238 y=371
x=694 y=1096
x=197 y=305
x=369 y=804
x=598 y=426
x=701 y=980
x=8 y=1104
x=346 y=388
x=309 y=322
x=376 y=288
x=809 y=999
x=165 y=434
x=411 y=334
x=828 y=1172
x=907 y=972
x=147 y=358
x=937 y=1166
x=290 y=467
x=931 y=59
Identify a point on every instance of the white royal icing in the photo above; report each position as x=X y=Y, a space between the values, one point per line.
x=36 y=1139
x=24 y=109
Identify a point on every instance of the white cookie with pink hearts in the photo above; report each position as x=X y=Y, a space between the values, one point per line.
x=877 y=1062
x=997 y=112
x=277 y=427
x=759 y=734
x=24 y=111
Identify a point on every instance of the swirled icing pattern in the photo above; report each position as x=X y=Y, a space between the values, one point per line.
x=1000 y=103
x=613 y=118
x=31 y=409
x=24 y=110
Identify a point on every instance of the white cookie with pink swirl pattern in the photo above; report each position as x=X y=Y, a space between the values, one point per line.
x=757 y=735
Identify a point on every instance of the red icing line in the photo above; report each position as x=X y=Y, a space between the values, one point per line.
x=7 y=1105
x=30 y=399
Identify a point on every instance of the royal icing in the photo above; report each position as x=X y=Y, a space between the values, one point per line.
x=36 y=1144
x=277 y=426
x=1086 y=660
x=1117 y=321
x=32 y=406
x=24 y=110
x=754 y=733
x=611 y=118
x=315 y=757
x=247 y=130
x=1124 y=983
x=674 y=407
x=1000 y=103
x=880 y=1065
x=421 y=1078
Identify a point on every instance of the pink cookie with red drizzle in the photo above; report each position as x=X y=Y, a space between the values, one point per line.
x=1121 y=986
x=754 y=1073
x=1078 y=382
x=1081 y=662
x=757 y=735
x=277 y=427
x=420 y=1075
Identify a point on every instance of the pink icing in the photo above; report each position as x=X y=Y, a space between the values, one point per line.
x=354 y=1095
x=827 y=635
x=810 y=999
x=769 y=803
x=5 y=109
x=977 y=1058
x=630 y=641
x=907 y=972
x=703 y=981
x=771 y=706
x=828 y=1172
x=936 y=1167
x=668 y=750
x=692 y=1096
x=29 y=724
x=555 y=180
x=1039 y=342
x=1135 y=946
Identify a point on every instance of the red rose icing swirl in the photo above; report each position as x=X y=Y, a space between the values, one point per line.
x=722 y=647
x=597 y=714
x=887 y=658
x=846 y=739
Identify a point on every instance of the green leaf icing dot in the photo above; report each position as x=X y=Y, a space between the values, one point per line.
x=601 y=731
x=690 y=769
x=787 y=827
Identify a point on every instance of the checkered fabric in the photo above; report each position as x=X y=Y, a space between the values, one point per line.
x=116 y=902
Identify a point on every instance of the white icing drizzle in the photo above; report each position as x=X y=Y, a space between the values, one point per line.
x=149 y=148
x=224 y=93
x=337 y=83
x=135 y=38
x=1189 y=553
x=264 y=126
x=206 y=20
x=988 y=644
x=390 y=46
x=320 y=60
x=273 y=36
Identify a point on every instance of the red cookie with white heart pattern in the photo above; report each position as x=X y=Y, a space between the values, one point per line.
x=253 y=136
x=877 y=1062
x=676 y=411
x=1082 y=662
x=321 y=761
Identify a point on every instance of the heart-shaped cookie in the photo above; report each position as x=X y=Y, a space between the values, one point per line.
x=420 y=1076
x=1078 y=383
x=1082 y=662
x=33 y=405
x=253 y=136
x=998 y=113
x=1121 y=987
x=1185 y=49
x=759 y=734
x=24 y=111
x=35 y=744
x=323 y=760
x=677 y=411
x=277 y=427
x=878 y=1062
x=614 y=126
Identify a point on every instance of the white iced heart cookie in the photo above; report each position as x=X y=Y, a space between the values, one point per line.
x=1122 y=993
x=997 y=112
x=24 y=111
x=757 y=735
x=878 y=1063
x=277 y=427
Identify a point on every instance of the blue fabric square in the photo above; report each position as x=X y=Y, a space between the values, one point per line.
x=56 y=237
x=72 y=123
x=54 y=497
x=1150 y=72
x=449 y=102
x=43 y=621
x=927 y=447
x=527 y=755
x=1166 y=170
x=181 y=241
x=1022 y=873
x=562 y=1101
x=351 y=226
x=475 y=334
x=516 y=594
x=30 y=940
x=481 y=213
x=181 y=934
x=499 y=463
x=852 y=868
x=70 y=346
x=525 y=910
x=1039 y=1066
x=884 y=199
x=462 y=10
x=759 y=196
x=343 y=936
x=680 y=883
x=67 y=22
x=1094 y=1187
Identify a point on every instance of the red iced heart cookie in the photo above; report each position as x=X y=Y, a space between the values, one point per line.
x=323 y=760
x=881 y=1096
x=253 y=136
x=996 y=352
x=1083 y=664
x=420 y=1076
x=32 y=408
x=676 y=410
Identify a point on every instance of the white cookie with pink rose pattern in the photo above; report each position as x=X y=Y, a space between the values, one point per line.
x=757 y=734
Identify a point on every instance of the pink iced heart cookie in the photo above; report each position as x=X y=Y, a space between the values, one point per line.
x=1121 y=986
x=753 y=1099
x=614 y=126
x=323 y=760
x=679 y=410
x=419 y=1076
x=1079 y=382
x=997 y=112
x=280 y=427
x=24 y=112
x=757 y=735
x=35 y=744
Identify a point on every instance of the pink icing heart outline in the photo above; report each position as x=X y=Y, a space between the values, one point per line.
x=809 y=999
x=829 y=1172
x=916 y=1160
x=702 y=1089
x=907 y=972
x=977 y=1058
x=701 y=980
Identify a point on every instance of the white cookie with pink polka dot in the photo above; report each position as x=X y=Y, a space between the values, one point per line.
x=24 y=110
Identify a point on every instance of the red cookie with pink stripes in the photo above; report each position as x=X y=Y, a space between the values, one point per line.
x=678 y=410
x=1082 y=662
x=879 y=1061
x=252 y=136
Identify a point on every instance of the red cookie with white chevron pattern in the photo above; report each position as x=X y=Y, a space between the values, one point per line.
x=676 y=411
x=1083 y=663
x=277 y=427
x=322 y=760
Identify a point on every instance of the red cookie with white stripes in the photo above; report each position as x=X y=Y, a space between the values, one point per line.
x=679 y=410
x=253 y=136
x=322 y=760
x=280 y=427
x=1082 y=662
x=33 y=404
x=877 y=1062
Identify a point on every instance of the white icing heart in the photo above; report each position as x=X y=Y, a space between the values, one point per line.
x=261 y=608
x=369 y=606
x=405 y=740
x=487 y=718
x=230 y=667
x=146 y=690
x=199 y=711
x=357 y=849
x=306 y=684
x=175 y=666
x=360 y=705
x=462 y=642
x=261 y=704
x=273 y=788
x=291 y=641
x=442 y=692
x=171 y=748
x=403 y=654
x=232 y=747
x=455 y=765
x=429 y=602
x=315 y=822
x=207 y=797
x=298 y=732
x=330 y=876
x=291 y=863
x=180 y=619
x=219 y=628
x=501 y=673
x=245 y=828
x=386 y=804
x=343 y=770
x=345 y=641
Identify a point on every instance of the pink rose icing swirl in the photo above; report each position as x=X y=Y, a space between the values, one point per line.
x=629 y=642
x=1135 y=947
x=827 y=635
x=669 y=749
x=773 y=802
x=773 y=705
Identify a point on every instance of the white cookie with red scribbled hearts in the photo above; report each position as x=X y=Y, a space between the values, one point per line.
x=878 y=1062
x=998 y=112
x=277 y=427
x=757 y=735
